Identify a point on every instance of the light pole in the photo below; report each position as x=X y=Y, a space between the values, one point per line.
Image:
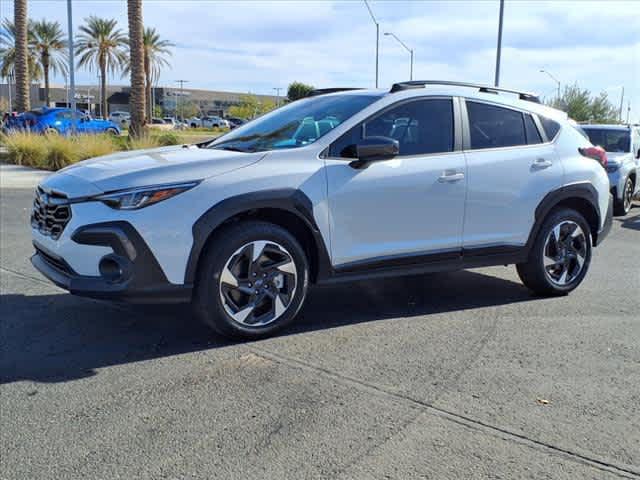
x=72 y=77
x=410 y=50
x=181 y=82
x=542 y=70
x=277 y=89
x=499 y=50
x=377 y=38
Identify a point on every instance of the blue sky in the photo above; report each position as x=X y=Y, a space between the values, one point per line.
x=258 y=45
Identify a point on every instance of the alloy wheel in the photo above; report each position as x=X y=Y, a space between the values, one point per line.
x=258 y=283
x=627 y=196
x=565 y=252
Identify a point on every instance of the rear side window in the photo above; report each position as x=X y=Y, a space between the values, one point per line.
x=533 y=135
x=421 y=127
x=494 y=127
x=551 y=127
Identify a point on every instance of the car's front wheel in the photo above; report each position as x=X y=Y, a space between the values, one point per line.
x=252 y=280
x=560 y=256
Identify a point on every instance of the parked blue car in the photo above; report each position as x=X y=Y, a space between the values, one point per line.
x=59 y=121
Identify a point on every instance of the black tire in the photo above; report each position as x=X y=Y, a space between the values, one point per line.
x=51 y=131
x=208 y=302
x=622 y=206
x=548 y=280
x=112 y=131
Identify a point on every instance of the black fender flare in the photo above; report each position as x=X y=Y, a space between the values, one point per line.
x=582 y=191
x=289 y=199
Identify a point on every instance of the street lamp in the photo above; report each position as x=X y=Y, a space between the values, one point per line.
x=72 y=76
x=377 y=37
x=496 y=81
x=277 y=89
x=410 y=50
x=542 y=70
x=181 y=82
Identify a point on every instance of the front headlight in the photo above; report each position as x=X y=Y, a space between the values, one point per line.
x=135 y=198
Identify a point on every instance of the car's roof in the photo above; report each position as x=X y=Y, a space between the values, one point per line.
x=507 y=99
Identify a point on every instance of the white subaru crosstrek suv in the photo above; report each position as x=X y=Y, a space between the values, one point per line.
x=429 y=176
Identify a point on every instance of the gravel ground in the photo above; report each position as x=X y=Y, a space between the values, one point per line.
x=443 y=376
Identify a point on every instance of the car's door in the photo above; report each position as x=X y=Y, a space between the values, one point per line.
x=410 y=205
x=510 y=169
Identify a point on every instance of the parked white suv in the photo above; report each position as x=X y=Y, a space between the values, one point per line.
x=622 y=144
x=429 y=176
x=122 y=119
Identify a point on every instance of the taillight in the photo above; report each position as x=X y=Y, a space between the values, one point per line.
x=596 y=153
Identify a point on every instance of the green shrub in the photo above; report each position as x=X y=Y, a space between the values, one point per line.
x=90 y=146
x=167 y=139
x=26 y=149
x=61 y=151
x=143 y=142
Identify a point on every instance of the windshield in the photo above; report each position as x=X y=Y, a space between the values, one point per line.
x=614 y=141
x=295 y=125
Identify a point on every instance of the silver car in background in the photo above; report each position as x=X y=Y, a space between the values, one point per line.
x=622 y=144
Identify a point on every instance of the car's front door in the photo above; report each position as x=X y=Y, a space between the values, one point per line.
x=510 y=171
x=408 y=206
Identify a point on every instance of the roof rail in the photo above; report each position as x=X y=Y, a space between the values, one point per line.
x=398 y=87
x=324 y=91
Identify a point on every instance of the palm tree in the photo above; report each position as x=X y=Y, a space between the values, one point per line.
x=21 y=55
x=155 y=50
x=50 y=44
x=136 y=52
x=8 y=51
x=101 y=45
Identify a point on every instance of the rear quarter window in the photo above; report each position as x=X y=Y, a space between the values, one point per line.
x=551 y=127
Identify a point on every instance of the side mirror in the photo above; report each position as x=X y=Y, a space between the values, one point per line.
x=375 y=149
x=638 y=154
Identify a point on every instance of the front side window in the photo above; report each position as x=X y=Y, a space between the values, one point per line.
x=495 y=127
x=63 y=116
x=612 y=140
x=421 y=127
x=295 y=125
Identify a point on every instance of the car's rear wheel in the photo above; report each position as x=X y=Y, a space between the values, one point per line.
x=252 y=280
x=51 y=131
x=112 y=131
x=622 y=206
x=560 y=256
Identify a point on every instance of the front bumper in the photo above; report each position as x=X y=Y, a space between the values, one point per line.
x=606 y=226
x=130 y=273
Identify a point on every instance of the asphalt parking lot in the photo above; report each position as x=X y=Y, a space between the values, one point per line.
x=446 y=376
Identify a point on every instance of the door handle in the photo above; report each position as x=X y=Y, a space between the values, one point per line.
x=450 y=176
x=541 y=163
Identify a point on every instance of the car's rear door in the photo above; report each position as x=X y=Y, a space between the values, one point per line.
x=405 y=207
x=511 y=166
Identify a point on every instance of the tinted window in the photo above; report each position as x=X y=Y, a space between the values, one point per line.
x=610 y=139
x=551 y=127
x=420 y=127
x=64 y=116
x=533 y=135
x=493 y=127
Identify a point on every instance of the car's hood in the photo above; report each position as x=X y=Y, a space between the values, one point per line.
x=148 y=167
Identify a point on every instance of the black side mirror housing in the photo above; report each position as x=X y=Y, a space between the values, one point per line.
x=375 y=149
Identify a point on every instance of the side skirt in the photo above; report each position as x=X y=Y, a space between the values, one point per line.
x=420 y=264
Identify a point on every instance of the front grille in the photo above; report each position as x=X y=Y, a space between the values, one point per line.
x=50 y=213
